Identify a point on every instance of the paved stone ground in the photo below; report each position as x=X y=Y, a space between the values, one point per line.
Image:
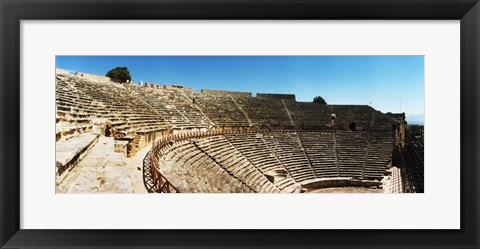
x=134 y=165
x=102 y=170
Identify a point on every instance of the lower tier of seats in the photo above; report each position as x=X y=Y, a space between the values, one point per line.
x=273 y=162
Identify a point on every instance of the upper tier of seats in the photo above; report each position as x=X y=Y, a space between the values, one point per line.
x=223 y=111
x=131 y=108
x=310 y=115
x=318 y=141
x=265 y=113
x=175 y=105
x=81 y=103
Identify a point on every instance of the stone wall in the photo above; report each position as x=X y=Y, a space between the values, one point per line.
x=276 y=96
x=61 y=71
x=224 y=93
x=399 y=117
x=181 y=88
x=93 y=77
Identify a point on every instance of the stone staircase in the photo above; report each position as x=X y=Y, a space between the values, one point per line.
x=101 y=170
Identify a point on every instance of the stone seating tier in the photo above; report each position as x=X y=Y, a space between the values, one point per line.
x=379 y=155
x=352 y=148
x=185 y=102
x=184 y=108
x=320 y=148
x=253 y=147
x=70 y=152
x=289 y=151
x=282 y=161
x=222 y=111
x=309 y=115
x=80 y=100
x=225 y=154
x=173 y=103
x=199 y=173
x=265 y=112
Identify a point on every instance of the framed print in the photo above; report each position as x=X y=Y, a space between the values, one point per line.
x=239 y=124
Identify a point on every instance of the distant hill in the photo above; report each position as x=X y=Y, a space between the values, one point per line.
x=417 y=119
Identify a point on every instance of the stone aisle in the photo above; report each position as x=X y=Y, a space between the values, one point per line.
x=135 y=165
x=102 y=170
x=394 y=183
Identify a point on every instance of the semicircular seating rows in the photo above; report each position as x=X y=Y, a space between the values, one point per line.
x=265 y=145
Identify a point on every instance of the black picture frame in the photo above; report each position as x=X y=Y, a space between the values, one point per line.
x=12 y=12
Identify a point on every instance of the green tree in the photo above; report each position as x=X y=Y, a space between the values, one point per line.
x=319 y=100
x=120 y=73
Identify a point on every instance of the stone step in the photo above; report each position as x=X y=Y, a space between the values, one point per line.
x=101 y=170
x=69 y=152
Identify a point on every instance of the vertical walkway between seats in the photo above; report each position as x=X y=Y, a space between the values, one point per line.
x=369 y=140
x=288 y=113
x=147 y=104
x=336 y=152
x=196 y=144
x=275 y=155
x=250 y=123
x=372 y=121
x=198 y=107
x=306 y=155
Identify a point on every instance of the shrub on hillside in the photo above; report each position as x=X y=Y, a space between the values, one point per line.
x=319 y=100
x=119 y=73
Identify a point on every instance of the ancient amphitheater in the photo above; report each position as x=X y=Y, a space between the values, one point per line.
x=113 y=137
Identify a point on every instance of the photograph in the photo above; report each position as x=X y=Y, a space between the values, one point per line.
x=239 y=124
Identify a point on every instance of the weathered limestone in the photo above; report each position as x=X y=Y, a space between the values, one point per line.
x=94 y=77
x=61 y=71
x=290 y=161
x=276 y=96
x=352 y=148
x=393 y=184
x=289 y=150
x=379 y=155
x=265 y=113
x=222 y=111
x=193 y=171
x=253 y=147
x=321 y=150
x=68 y=153
x=102 y=170
x=317 y=141
x=226 y=93
x=84 y=104
x=225 y=154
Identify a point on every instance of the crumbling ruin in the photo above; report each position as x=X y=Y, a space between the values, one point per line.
x=216 y=141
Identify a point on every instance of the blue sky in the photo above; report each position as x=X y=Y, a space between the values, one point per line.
x=387 y=83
